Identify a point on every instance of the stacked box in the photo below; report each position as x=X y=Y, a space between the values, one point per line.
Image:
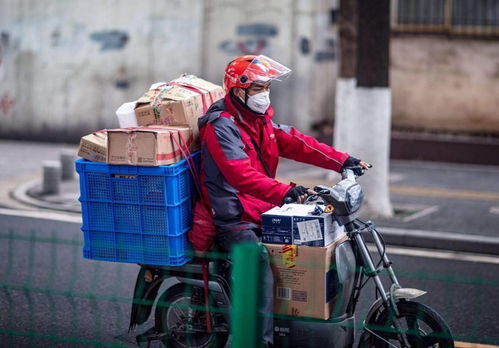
x=136 y=214
x=178 y=102
x=295 y=224
x=149 y=146
x=303 y=278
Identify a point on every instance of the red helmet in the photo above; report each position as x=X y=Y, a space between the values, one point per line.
x=245 y=70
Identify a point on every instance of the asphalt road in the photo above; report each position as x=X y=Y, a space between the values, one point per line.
x=51 y=296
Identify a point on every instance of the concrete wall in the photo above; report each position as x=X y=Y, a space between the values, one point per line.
x=445 y=85
x=65 y=66
x=297 y=33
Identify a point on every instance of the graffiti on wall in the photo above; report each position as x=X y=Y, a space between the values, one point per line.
x=327 y=51
x=251 y=39
x=6 y=103
x=110 y=39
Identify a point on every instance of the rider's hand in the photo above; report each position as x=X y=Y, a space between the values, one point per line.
x=298 y=194
x=352 y=161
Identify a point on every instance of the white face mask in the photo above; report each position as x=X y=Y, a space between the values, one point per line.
x=259 y=102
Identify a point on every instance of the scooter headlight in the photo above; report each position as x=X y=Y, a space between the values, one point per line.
x=354 y=197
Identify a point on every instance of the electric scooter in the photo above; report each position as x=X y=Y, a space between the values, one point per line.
x=394 y=319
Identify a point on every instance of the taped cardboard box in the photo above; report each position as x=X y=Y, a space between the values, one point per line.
x=147 y=146
x=179 y=102
x=209 y=91
x=303 y=279
x=93 y=147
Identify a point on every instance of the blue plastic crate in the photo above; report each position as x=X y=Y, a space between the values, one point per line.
x=136 y=248
x=136 y=214
x=162 y=185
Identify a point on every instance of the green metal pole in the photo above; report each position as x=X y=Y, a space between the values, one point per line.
x=245 y=325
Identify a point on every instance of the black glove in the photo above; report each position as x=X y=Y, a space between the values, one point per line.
x=350 y=162
x=294 y=194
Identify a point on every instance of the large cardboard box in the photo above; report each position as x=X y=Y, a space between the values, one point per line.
x=303 y=279
x=93 y=147
x=295 y=224
x=209 y=91
x=179 y=102
x=146 y=146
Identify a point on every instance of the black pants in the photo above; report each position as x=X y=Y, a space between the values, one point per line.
x=231 y=234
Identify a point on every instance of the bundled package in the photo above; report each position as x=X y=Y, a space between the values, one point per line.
x=149 y=146
x=178 y=102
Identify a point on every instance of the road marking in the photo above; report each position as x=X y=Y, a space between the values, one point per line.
x=459 y=344
x=395 y=177
x=420 y=214
x=438 y=254
x=445 y=193
x=47 y=215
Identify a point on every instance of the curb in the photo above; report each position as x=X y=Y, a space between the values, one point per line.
x=20 y=194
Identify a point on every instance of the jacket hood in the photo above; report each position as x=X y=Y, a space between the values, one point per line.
x=212 y=113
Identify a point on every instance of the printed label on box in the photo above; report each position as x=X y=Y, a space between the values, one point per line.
x=283 y=293
x=289 y=256
x=309 y=230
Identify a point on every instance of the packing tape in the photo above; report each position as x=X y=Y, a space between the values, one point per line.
x=131 y=148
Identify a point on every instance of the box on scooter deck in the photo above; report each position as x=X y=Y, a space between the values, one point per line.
x=303 y=278
x=295 y=224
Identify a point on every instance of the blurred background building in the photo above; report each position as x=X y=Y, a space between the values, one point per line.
x=65 y=66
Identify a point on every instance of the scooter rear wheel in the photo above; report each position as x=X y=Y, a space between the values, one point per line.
x=172 y=312
x=422 y=326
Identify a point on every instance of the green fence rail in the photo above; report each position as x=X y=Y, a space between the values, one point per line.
x=50 y=296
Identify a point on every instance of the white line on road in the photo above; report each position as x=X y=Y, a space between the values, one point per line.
x=494 y=210
x=421 y=213
x=439 y=254
x=47 y=215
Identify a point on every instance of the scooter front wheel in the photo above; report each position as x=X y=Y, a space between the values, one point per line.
x=422 y=326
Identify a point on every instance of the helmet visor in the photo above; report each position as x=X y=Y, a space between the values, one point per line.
x=264 y=69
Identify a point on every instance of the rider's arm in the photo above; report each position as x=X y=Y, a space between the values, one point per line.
x=223 y=141
x=303 y=148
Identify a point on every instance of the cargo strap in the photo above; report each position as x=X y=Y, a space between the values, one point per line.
x=200 y=91
x=186 y=153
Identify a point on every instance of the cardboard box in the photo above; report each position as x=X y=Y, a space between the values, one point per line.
x=303 y=279
x=146 y=146
x=294 y=224
x=210 y=91
x=93 y=147
x=186 y=137
x=179 y=102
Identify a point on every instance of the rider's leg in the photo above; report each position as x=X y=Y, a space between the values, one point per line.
x=227 y=237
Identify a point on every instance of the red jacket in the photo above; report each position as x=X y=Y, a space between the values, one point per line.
x=234 y=183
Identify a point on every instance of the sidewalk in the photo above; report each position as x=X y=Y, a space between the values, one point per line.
x=437 y=205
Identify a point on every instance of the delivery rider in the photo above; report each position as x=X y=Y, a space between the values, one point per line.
x=240 y=149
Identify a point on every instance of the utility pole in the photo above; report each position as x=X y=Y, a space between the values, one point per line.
x=363 y=125
x=346 y=82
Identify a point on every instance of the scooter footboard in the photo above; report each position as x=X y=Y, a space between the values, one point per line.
x=304 y=332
